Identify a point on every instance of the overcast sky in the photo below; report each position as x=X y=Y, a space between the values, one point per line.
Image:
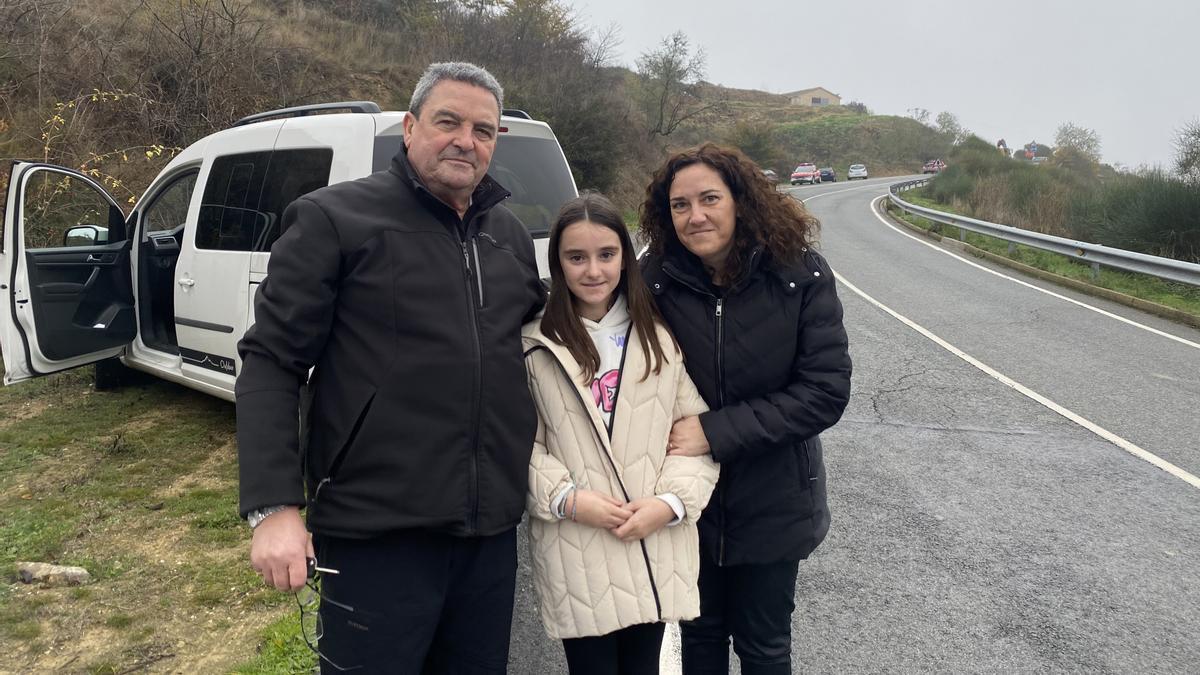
x=1014 y=69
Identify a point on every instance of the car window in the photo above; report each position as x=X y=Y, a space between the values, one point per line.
x=532 y=169
x=245 y=196
x=62 y=211
x=169 y=209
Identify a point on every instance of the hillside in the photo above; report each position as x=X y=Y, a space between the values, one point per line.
x=143 y=79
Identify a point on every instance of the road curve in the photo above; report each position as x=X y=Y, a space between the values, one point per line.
x=975 y=529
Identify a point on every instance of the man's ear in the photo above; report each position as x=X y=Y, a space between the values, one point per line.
x=410 y=121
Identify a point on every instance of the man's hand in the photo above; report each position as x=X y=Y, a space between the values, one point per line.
x=279 y=549
x=687 y=438
x=597 y=509
x=650 y=514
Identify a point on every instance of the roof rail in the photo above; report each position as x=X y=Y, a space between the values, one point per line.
x=303 y=110
x=513 y=112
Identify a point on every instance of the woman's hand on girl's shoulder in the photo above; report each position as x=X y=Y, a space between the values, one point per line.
x=687 y=438
x=596 y=509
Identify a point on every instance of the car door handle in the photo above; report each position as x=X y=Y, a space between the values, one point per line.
x=187 y=282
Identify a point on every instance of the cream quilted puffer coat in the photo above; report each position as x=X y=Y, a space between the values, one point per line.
x=589 y=582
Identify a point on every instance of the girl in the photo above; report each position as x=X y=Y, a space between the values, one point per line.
x=612 y=518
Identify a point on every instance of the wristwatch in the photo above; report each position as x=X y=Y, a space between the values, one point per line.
x=255 y=517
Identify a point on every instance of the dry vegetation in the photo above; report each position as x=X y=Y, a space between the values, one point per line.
x=151 y=76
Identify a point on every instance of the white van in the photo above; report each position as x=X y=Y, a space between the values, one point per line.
x=170 y=288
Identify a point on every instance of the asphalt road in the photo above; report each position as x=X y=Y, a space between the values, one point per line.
x=975 y=528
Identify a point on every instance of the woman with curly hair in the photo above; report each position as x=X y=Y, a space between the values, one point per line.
x=755 y=311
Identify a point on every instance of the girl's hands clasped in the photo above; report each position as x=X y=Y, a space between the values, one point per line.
x=597 y=509
x=650 y=514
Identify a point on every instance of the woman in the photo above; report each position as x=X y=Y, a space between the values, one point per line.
x=612 y=518
x=756 y=313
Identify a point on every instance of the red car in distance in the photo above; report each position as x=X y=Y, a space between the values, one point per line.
x=806 y=173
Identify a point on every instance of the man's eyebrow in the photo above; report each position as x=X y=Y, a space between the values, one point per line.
x=446 y=113
x=443 y=112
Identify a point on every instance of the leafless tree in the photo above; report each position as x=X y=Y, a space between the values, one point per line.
x=669 y=77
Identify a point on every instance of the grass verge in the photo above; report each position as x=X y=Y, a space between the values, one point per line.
x=139 y=487
x=1181 y=297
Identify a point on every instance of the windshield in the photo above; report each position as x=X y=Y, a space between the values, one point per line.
x=532 y=169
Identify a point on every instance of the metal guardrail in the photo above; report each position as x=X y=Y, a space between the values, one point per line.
x=1095 y=254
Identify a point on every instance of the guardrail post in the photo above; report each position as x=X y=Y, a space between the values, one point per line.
x=1012 y=248
x=1095 y=271
x=962 y=234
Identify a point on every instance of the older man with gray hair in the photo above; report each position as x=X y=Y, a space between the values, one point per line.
x=405 y=293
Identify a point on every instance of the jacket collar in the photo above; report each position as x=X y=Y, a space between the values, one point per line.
x=486 y=195
x=533 y=338
x=679 y=265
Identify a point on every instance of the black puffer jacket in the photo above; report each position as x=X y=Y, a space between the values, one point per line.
x=769 y=355
x=419 y=416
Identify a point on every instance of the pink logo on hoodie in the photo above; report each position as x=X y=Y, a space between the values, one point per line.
x=604 y=389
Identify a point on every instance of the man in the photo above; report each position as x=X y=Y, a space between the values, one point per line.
x=405 y=292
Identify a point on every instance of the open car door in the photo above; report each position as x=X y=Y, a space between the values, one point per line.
x=65 y=279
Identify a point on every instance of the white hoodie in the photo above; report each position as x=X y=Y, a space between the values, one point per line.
x=610 y=335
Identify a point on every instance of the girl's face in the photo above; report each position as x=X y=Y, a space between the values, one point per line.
x=703 y=213
x=590 y=256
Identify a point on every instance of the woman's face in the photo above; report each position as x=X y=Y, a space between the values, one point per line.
x=703 y=213
x=590 y=256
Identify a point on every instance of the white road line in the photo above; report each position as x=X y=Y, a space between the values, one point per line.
x=670 y=658
x=1100 y=431
x=835 y=192
x=1176 y=338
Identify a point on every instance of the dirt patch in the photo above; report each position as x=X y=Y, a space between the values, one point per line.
x=208 y=475
x=13 y=413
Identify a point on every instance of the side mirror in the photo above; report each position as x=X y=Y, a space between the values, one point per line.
x=85 y=235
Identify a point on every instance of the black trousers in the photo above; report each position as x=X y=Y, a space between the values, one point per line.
x=632 y=650
x=751 y=603
x=417 y=602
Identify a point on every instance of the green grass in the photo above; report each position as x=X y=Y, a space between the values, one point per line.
x=1170 y=294
x=283 y=650
x=139 y=487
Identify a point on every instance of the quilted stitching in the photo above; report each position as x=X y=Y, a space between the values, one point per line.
x=588 y=582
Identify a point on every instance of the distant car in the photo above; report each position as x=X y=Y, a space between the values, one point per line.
x=806 y=173
x=771 y=176
x=933 y=166
x=857 y=171
x=828 y=174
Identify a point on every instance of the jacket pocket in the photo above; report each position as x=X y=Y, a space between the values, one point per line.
x=336 y=460
x=806 y=472
x=499 y=273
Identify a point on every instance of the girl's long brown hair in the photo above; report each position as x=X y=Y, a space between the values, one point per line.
x=765 y=216
x=561 y=322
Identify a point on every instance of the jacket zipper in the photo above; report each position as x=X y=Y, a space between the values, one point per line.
x=478 y=268
x=473 y=486
x=719 y=349
x=612 y=420
x=611 y=463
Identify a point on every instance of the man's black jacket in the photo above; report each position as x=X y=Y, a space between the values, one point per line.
x=420 y=416
x=769 y=355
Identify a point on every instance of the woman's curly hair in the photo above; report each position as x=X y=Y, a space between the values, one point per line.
x=765 y=216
